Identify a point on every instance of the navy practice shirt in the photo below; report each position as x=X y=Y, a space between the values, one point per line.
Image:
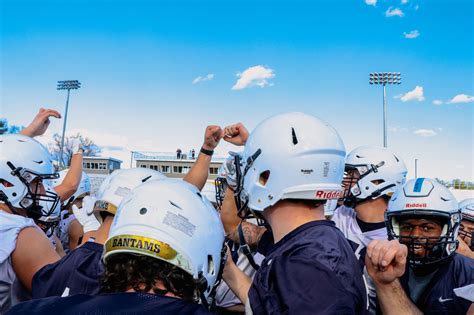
x=312 y=270
x=113 y=303
x=451 y=289
x=78 y=272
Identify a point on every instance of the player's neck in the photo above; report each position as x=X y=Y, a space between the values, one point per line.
x=103 y=231
x=286 y=216
x=371 y=211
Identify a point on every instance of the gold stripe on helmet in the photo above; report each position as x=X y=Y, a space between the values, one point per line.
x=101 y=205
x=140 y=244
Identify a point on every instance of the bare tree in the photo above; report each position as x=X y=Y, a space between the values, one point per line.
x=88 y=145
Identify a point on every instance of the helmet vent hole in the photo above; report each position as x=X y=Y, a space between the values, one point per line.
x=396 y=158
x=264 y=176
x=175 y=205
x=143 y=211
x=293 y=135
x=14 y=194
x=146 y=178
x=210 y=265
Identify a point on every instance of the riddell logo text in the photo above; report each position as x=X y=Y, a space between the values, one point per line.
x=328 y=194
x=416 y=205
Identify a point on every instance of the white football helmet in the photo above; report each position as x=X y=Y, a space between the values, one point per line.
x=425 y=197
x=26 y=169
x=169 y=220
x=118 y=185
x=380 y=173
x=289 y=156
x=467 y=209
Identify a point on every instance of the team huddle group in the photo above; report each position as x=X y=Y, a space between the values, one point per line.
x=295 y=225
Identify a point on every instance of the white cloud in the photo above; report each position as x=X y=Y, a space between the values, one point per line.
x=461 y=98
x=397 y=129
x=394 y=12
x=200 y=79
x=414 y=95
x=438 y=102
x=425 y=133
x=371 y=2
x=256 y=75
x=404 y=1
x=412 y=34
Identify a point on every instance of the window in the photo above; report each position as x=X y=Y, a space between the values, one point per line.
x=213 y=170
x=143 y=166
x=102 y=166
x=177 y=169
x=165 y=168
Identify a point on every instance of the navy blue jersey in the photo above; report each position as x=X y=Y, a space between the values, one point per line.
x=450 y=291
x=312 y=270
x=113 y=303
x=78 y=272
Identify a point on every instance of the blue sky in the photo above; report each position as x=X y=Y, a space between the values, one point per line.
x=137 y=61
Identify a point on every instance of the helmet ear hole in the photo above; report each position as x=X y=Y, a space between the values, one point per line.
x=6 y=183
x=264 y=176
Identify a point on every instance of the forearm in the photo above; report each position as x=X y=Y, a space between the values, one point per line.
x=72 y=180
x=251 y=232
x=237 y=281
x=230 y=219
x=199 y=172
x=393 y=300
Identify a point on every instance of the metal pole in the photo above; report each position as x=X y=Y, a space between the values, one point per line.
x=384 y=119
x=416 y=168
x=61 y=162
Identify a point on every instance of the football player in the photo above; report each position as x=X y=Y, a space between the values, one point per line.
x=163 y=256
x=292 y=163
x=422 y=221
x=372 y=175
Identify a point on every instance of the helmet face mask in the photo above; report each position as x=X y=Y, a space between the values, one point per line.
x=221 y=186
x=240 y=194
x=434 y=236
x=40 y=199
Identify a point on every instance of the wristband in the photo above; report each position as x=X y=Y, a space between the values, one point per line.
x=207 y=152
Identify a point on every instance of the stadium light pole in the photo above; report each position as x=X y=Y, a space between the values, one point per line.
x=384 y=78
x=66 y=85
x=416 y=168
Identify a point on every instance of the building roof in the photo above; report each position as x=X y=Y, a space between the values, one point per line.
x=168 y=157
x=102 y=158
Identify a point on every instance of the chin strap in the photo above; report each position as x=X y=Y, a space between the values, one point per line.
x=244 y=248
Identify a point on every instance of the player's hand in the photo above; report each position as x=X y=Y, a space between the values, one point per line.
x=229 y=264
x=212 y=136
x=85 y=215
x=464 y=249
x=76 y=146
x=385 y=260
x=236 y=134
x=40 y=123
